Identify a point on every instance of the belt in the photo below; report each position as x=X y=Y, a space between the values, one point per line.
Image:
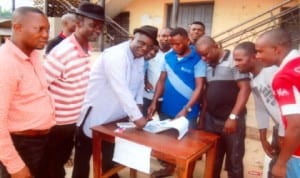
x=31 y=133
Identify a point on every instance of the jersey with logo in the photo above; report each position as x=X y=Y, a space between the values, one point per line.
x=286 y=87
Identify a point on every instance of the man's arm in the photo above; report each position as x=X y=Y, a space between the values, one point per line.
x=195 y=96
x=53 y=68
x=242 y=98
x=290 y=143
x=116 y=72
x=159 y=89
x=8 y=85
x=262 y=118
x=203 y=106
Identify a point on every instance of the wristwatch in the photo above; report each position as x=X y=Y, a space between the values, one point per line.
x=233 y=116
x=187 y=108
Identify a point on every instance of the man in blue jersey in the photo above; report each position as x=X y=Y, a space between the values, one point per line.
x=180 y=84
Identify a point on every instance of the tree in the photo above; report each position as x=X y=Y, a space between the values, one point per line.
x=5 y=14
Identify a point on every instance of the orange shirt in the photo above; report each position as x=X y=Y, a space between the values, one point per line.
x=25 y=102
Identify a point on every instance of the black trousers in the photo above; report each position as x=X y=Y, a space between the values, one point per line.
x=31 y=150
x=58 y=151
x=231 y=145
x=83 y=152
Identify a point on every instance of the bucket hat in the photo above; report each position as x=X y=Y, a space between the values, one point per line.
x=90 y=10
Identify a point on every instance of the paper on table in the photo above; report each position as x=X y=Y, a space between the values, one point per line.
x=132 y=155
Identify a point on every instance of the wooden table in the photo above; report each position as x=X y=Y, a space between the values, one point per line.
x=165 y=146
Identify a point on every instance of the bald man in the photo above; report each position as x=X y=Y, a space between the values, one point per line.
x=26 y=107
x=226 y=96
x=68 y=22
x=274 y=47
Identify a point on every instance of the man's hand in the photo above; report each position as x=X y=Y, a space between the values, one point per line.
x=280 y=141
x=270 y=151
x=140 y=123
x=148 y=86
x=151 y=110
x=278 y=170
x=23 y=173
x=183 y=112
x=230 y=126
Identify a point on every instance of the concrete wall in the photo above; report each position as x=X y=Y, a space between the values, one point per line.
x=55 y=26
x=227 y=13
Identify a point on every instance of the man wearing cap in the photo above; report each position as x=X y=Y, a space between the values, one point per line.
x=115 y=90
x=67 y=68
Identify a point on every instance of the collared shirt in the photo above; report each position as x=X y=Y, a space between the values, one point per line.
x=25 y=101
x=153 y=71
x=286 y=87
x=266 y=106
x=115 y=87
x=180 y=82
x=67 y=68
x=55 y=41
x=222 y=88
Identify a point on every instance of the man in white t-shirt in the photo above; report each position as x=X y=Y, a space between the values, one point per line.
x=266 y=106
x=154 y=65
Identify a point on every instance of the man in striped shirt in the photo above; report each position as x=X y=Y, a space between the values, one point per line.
x=67 y=68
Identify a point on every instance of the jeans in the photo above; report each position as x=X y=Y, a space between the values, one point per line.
x=231 y=145
x=31 y=150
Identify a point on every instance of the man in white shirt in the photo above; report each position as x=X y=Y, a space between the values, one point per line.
x=115 y=90
x=266 y=106
x=154 y=66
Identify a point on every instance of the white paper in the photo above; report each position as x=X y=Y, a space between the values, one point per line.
x=181 y=124
x=132 y=155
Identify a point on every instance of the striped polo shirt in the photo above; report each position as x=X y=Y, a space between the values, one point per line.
x=67 y=68
x=222 y=88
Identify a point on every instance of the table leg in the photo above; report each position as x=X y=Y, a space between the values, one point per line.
x=210 y=161
x=97 y=156
x=182 y=169
x=133 y=173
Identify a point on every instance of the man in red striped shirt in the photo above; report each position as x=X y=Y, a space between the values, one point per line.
x=67 y=68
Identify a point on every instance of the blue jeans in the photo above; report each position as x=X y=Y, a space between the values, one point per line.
x=293 y=168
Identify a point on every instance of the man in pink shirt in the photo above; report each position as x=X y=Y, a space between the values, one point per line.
x=26 y=107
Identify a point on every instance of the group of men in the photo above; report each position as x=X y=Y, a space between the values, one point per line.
x=41 y=104
x=44 y=106
x=231 y=76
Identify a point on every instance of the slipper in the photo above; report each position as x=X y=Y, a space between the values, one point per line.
x=167 y=171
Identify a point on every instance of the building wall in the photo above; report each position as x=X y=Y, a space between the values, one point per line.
x=227 y=13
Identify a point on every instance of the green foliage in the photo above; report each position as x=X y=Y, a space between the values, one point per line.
x=5 y=14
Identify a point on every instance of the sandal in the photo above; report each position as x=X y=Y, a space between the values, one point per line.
x=167 y=171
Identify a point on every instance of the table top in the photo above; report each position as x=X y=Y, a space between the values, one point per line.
x=163 y=144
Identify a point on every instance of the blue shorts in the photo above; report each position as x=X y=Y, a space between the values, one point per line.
x=293 y=168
